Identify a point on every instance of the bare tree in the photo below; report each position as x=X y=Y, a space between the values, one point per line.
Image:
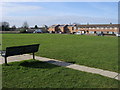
x=25 y=25
x=5 y=26
x=13 y=27
x=36 y=27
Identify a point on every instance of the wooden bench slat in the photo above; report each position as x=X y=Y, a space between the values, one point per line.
x=19 y=50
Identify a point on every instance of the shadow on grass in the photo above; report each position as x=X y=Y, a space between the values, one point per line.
x=37 y=64
x=59 y=63
x=73 y=62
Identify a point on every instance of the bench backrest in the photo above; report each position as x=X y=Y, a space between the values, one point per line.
x=18 y=50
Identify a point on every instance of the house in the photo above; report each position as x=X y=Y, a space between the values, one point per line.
x=99 y=28
x=72 y=28
x=54 y=28
x=64 y=28
x=111 y=29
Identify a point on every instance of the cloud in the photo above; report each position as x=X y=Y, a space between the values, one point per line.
x=17 y=8
x=60 y=1
x=27 y=13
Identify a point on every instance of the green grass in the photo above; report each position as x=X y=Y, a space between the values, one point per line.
x=37 y=74
x=93 y=51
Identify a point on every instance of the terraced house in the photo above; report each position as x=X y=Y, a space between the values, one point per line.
x=86 y=29
x=54 y=28
x=64 y=28
x=99 y=28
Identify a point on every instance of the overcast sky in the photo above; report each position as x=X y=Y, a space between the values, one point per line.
x=59 y=12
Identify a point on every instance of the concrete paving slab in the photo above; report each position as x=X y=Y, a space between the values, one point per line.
x=77 y=67
x=117 y=77
x=15 y=58
x=85 y=68
x=42 y=59
x=109 y=74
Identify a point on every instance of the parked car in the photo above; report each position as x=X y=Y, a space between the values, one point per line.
x=100 y=34
x=118 y=35
x=79 y=33
x=38 y=31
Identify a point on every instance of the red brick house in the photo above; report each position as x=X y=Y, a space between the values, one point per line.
x=99 y=28
x=86 y=29
x=54 y=28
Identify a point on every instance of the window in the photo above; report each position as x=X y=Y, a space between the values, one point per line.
x=97 y=27
x=91 y=32
x=115 y=27
x=110 y=27
x=98 y=32
x=75 y=28
x=105 y=32
x=110 y=32
x=79 y=31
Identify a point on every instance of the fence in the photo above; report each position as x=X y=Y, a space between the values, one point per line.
x=9 y=32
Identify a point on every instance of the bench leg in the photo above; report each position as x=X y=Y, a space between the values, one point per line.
x=34 y=56
x=6 y=61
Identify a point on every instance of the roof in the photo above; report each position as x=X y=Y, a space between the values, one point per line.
x=55 y=25
x=63 y=25
x=71 y=25
x=100 y=25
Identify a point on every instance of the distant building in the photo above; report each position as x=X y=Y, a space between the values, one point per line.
x=64 y=28
x=99 y=28
x=86 y=29
x=54 y=28
x=72 y=28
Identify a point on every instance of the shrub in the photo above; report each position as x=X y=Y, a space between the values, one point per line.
x=22 y=30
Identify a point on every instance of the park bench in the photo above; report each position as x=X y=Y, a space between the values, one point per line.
x=19 y=50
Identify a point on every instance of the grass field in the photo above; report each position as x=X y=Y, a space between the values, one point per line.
x=37 y=74
x=93 y=51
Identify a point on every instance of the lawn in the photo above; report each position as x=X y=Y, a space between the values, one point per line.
x=93 y=51
x=37 y=74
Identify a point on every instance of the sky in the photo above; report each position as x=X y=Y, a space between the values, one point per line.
x=49 y=13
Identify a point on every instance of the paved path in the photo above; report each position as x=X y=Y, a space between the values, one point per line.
x=65 y=64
